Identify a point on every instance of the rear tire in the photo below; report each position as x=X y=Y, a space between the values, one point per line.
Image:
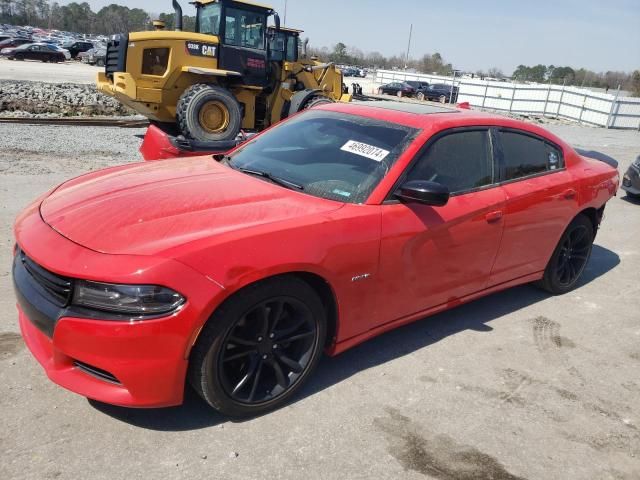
x=570 y=258
x=259 y=347
x=208 y=113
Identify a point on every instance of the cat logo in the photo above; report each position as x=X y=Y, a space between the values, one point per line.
x=208 y=51
x=201 y=49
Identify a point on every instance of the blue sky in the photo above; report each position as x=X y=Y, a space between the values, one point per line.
x=599 y=35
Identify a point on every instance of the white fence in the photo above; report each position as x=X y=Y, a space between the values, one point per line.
x=579 y=104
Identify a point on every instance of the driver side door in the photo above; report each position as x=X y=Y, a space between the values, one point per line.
x=244 y=48
x=435 y=256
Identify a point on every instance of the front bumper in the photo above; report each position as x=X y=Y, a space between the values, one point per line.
x=128 y=363
x=631 y=181
x=145 y=101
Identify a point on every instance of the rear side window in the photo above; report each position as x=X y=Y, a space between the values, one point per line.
x=461 y=161
x=525 y=155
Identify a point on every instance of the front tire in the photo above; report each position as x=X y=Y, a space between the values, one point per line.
x=570 y=257
x=208 y=113
x=259 y=347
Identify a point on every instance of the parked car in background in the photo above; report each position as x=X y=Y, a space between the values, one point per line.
x=418 y=85
x=96 y=56
x=57 y=48
x=76 y=47
x=631 y=180
x=400 y=89
x=40 y=52
x=240 y=275
x=439 y=92
x=14 y=42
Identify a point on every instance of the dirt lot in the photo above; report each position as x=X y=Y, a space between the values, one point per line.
x=518 y=385
x=72 y=72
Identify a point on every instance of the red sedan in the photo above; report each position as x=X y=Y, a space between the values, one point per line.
x=339 y=224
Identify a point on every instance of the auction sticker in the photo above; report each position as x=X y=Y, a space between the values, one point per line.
x=365 y=150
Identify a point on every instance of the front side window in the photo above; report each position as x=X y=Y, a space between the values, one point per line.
x=461 y=161
x=245 y=28
x=210 y=19
x=524 y=155
x=330 y=155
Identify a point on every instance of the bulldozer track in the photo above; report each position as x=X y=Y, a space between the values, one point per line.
x=77 y=122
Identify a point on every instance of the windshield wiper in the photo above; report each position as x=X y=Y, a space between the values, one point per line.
x=272 y=178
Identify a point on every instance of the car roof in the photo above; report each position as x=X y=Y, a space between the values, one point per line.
x=428 y=117
x=415 y=108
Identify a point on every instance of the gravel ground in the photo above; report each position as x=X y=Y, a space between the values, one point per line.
x=518 y=385
x=21 y=98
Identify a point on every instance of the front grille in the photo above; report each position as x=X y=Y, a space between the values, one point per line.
x=116 y=58
x=58 y=288
x=96 y=372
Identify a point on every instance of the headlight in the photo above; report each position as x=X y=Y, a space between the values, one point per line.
x=138 y=300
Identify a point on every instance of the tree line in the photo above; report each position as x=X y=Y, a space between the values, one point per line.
x=580 y=77
x=436 y=64
x=74 y=17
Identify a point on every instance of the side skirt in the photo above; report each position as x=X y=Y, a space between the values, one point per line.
x=344 y=345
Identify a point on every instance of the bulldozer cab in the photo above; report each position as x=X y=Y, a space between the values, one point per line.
x=241 y=27
x=283 y=44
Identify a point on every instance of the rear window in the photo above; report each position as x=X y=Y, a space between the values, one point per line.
x=330 y=155
x=525 y=155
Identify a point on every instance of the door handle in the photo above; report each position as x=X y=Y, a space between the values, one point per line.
x=493 y=217
x=569 y=194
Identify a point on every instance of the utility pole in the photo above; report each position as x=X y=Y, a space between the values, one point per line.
x=285 y=13
x=406 y=63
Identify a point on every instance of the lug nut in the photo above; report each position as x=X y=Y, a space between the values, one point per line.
x=275 y=347
x=272 y=335
x=264 y=357
x=260 y=339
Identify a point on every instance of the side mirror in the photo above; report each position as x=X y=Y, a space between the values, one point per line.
x=426 y=193
x=276 y=20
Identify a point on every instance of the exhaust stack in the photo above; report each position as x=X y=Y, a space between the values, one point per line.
x=178 y=10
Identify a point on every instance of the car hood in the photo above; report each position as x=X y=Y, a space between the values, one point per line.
x=145 y=209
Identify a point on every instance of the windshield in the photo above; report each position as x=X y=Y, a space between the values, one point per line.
x=210 y=19
x=330 y=155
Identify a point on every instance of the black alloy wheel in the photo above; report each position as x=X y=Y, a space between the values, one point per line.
x=259 y=347
x=574 y=253
x=570 y=257
x=267 y=350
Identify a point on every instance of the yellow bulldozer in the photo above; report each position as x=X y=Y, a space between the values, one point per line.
x=234 y=72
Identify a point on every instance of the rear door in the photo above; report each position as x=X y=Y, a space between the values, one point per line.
x=541 y=200
x=432 y=256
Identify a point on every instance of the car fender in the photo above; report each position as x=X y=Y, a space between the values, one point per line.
x=341 y=247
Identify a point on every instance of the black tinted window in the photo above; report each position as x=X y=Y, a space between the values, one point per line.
x=461 y=161
x=525 y=155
